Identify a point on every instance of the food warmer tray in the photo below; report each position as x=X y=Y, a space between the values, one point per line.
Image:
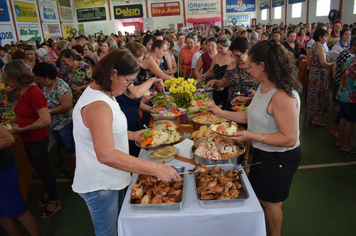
x=163 y=207
x=240 y=201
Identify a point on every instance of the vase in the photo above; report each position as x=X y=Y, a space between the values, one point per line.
x=183 y=119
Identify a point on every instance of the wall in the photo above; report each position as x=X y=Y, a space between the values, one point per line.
x=159 y=22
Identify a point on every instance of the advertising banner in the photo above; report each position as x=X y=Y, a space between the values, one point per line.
x=66 y=13
x=240 y=5
x=25 y=11
x=277 y=3
x=49 y=2
x=64 y=3
x=4 y=12
x=202 y=6
x=239 y=19
x=52 y=31
x=29 y=32
x=295 y=1
x=67 y=30
x=128 y=11
x=6 y=34
x=165 y=9
x=88 y=3
x=49 y=13
x=264 y=4
x=91 y=14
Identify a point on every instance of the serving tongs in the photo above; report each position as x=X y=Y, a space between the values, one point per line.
x=169 y=107
x=189 y=172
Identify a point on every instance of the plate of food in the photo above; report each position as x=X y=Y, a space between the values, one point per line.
x=206 y=119
x=239 y=108
x=164 y=154
x=156 y=138
x=226 y=128
x=165 y=124
x=164 y=114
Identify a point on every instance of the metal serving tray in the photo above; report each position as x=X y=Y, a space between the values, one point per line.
x=164 y=207
x=240 y=201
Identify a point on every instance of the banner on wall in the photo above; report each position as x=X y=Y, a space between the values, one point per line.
x=202 y=6
x=165 y=9
x=6 y=34
x=240 y=5
x=25 y=11
x=50 y=2
x=277 y=3
x=264 y=4
x=240 y=19
x=88 y=3
x=29 y=32
x=295 y=1
x=66 y=13
x=91 y=14
x=49 y=13
x=128 y=11
x=4 y=12
x=67 y=30
x=64 y=3
x=52 y=31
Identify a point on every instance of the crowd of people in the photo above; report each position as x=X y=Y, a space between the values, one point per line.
x=74 y=87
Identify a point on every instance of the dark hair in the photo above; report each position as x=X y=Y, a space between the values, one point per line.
x=137 y=49
x=353 y=31
x=171 y=44
x=242 y=32
x=78 y=48
x=121 y=60
x=344 y=31
x=276 y=32
x=45 y=70
x=147 y=38
x=189 y=36
x=258 y=28
x=29 y=48
x=353 y=40
x=248 y=30
x=239 y=44
x=2 y=48
x=67 y=53
x=211 y=39
x=157 y=44
x=279 y=64
x=20 y=72
x=265 y=34
x=203 y=39
x=227 y=31
x=179 y=34
x=320 y=26
x=19 y=54
x=290 y=32
x=319 y=33
x=300 y=31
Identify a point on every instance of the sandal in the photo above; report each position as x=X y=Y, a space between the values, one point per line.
x=335 y=134
x=352 y=151
x=318 y=123
x=44 y=201
x=48 y=213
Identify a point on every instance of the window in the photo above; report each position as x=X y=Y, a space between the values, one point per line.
x=354 y=6
x=264 y=14
x=322 y=7
x=297 y=10
x=278 y=12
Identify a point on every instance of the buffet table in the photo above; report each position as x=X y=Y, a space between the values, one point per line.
x=194 y=220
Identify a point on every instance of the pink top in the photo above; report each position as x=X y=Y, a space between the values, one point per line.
x=306 y=39
x=187 y=60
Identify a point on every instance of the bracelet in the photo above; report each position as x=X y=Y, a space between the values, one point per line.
x=263 y=138
x=50 y=111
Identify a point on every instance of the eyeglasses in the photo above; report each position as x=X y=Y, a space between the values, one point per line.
x=236 y=56
x=29 y=47
x=127 y=81
x=63 y=61
x=141 y=61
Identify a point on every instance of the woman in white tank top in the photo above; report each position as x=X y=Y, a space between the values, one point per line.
x=273 y=127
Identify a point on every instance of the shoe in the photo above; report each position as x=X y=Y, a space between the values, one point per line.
x=352 y=151
x=44 y=201
x=318 y=123
x=48 y=213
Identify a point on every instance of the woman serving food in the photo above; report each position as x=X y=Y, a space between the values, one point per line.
x=273 y=127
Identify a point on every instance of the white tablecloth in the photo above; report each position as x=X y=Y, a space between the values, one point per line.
x=247 y=220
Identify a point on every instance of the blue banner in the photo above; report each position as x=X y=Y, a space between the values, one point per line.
x=264 y=4
x=277 y=3
x=295 y=1
x=240 y=5
x=4 y=11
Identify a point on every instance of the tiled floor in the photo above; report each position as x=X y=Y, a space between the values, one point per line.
x=322 y=200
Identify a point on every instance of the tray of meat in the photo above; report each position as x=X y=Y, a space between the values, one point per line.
x=152 y=195
x=220 y=186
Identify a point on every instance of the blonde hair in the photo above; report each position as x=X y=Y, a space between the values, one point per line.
x=63 y=44
x=20 y=72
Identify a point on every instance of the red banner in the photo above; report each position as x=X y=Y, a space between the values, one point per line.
x=165 y=9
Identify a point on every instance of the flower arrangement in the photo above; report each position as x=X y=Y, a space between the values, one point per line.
x=181 y=90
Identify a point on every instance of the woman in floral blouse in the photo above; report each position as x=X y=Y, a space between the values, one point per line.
x=59 y=103
x=236 y=75
x=79 y=73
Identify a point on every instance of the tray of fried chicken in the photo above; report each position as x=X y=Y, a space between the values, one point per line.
x=220 y=186
x=150 y=194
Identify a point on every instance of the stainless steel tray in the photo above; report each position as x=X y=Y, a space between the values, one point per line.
x=164 y=207
x=240 y=201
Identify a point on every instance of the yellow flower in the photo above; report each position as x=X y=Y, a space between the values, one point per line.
x=184 y=83
x=194 y=89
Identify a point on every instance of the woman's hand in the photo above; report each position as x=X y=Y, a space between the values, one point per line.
x=146 y=99
x=210 y=84
x=157 y=110
x=213 y=109
x=167 y=173
x=241 y=136
x=16 y=130
x=239 y=100
x=159 y=84
x=77 y=90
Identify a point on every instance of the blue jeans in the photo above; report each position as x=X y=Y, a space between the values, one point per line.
x=64 y=138
x=104 y=207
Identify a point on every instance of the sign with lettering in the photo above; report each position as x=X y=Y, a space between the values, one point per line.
x=29 y=32
x=91 y=14
x=264 y=4
x=277 y=3
x=50 y=2
x=88 y=3
x=52 y=31
x=240 y=5
x=128 y=11
x=64 y=3
x=202 y=6
x=4 y=11
x=66 y=14
x=67 y=30
x=240 y=19
x=49 y=13
x=25 y=11
x=6 y=34
x=165 y=9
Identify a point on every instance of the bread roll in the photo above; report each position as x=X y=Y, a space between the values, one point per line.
x=201 y=131
x=194 y=134
x=207 y=132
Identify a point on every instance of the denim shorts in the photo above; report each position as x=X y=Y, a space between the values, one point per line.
x=348 y=111
x=104 y=207
x=64 y=138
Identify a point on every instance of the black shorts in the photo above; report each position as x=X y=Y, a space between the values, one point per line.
x=272 y=179
x=348 y=111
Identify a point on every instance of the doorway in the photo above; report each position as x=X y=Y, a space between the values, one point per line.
x=179 y=25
